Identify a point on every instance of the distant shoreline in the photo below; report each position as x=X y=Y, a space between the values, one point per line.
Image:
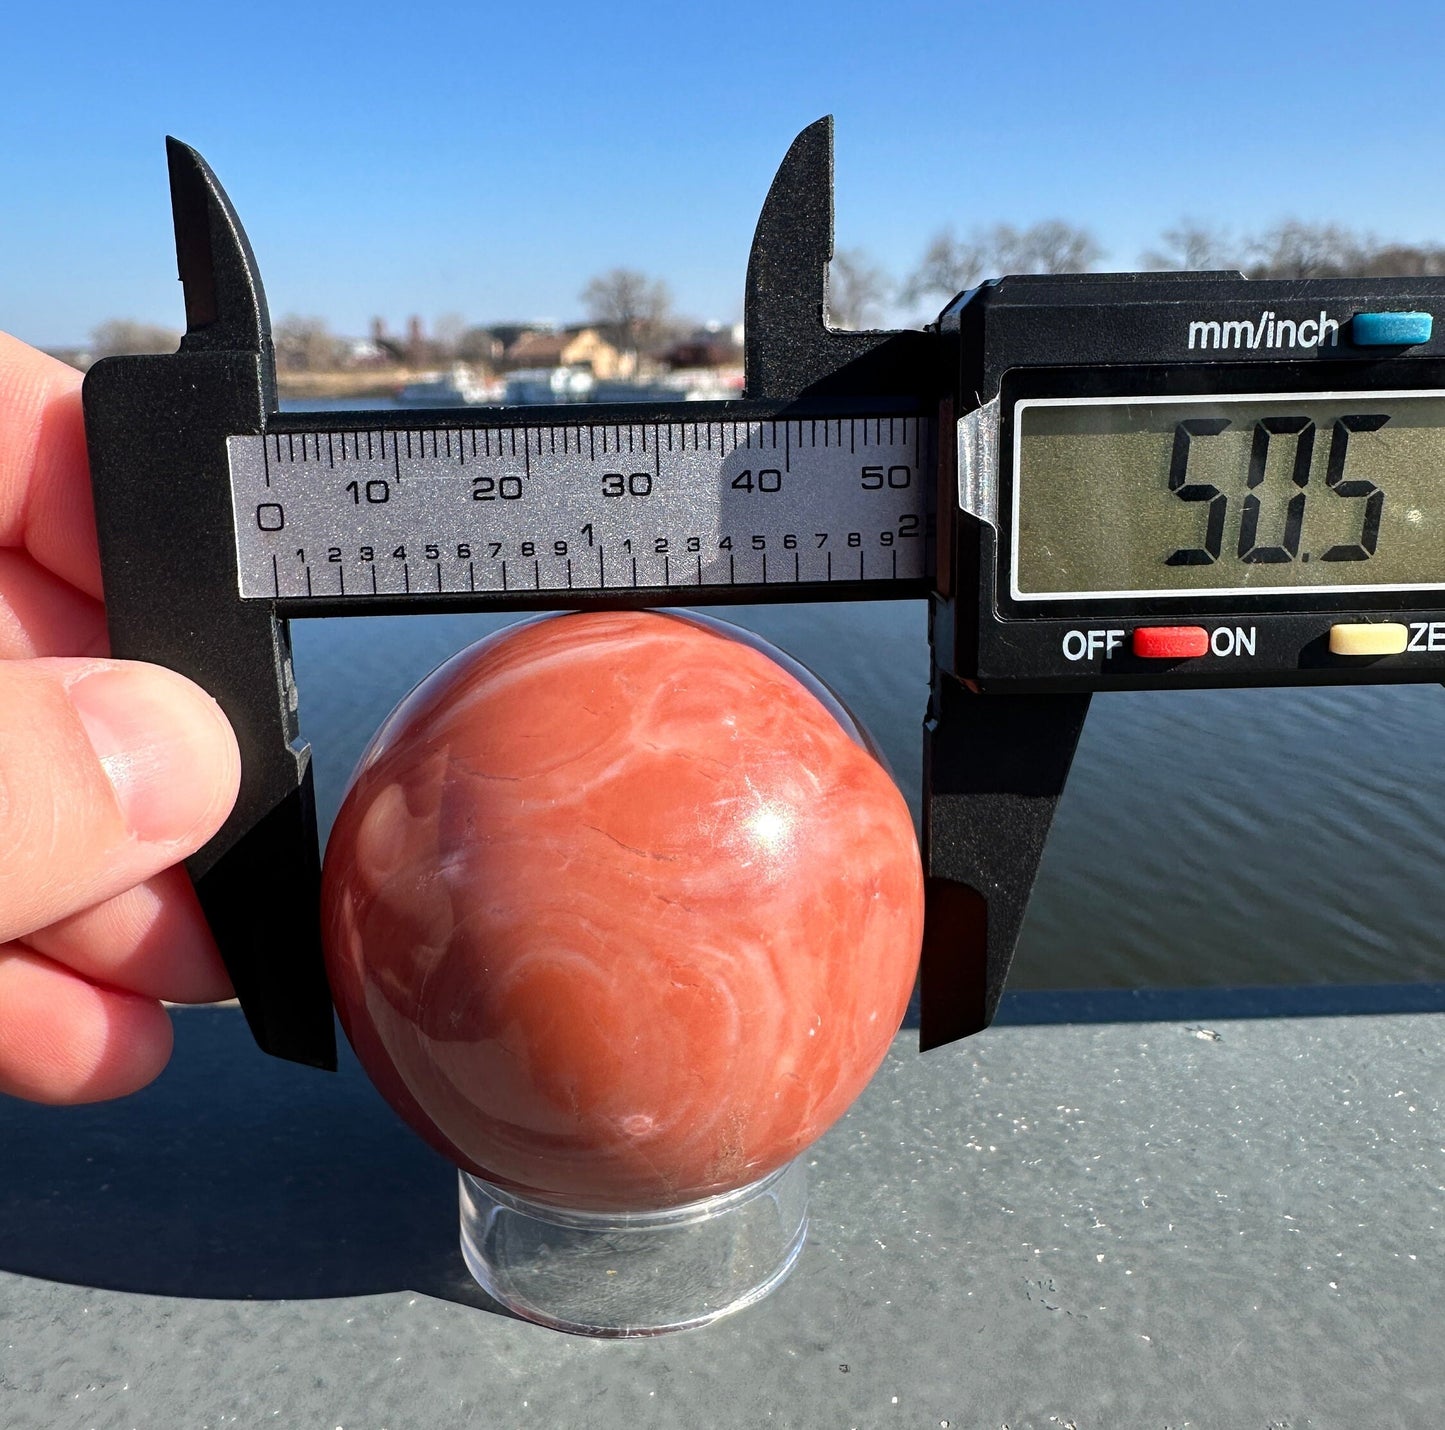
x=370 y=382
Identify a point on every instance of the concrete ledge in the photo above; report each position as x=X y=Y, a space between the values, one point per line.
x=1192 y=1221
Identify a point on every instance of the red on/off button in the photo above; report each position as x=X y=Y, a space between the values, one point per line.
x=1170 y=642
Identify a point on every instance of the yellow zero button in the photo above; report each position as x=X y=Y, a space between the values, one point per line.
x=1374 y=638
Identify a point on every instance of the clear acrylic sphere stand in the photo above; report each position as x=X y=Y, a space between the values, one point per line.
x=634 y=1274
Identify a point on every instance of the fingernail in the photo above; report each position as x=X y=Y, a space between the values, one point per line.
x=163 y=745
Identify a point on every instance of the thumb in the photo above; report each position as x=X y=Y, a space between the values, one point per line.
x=110 y=771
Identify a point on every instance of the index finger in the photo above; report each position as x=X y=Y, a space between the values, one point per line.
x=45 y=505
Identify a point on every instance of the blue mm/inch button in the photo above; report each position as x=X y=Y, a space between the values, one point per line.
x=1390 y=330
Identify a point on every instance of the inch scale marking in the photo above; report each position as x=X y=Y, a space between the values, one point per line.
x=713 y=503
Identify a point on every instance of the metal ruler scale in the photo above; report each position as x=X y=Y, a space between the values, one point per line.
x=718 y=502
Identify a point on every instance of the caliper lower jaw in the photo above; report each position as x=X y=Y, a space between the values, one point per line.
x=993 y=769
x=157 y=429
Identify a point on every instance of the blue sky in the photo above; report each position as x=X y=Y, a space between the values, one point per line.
x=487 y=160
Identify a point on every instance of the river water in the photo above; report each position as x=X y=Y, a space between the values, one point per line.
x=1235 y=837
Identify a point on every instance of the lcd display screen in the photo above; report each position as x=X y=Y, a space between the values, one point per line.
x=1226 y=495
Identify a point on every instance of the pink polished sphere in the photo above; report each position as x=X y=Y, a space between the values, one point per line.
x=619 y=913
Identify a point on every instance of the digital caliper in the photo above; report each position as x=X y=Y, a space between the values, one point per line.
x=1100 y=482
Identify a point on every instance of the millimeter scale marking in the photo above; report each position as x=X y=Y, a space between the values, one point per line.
x=354 y=512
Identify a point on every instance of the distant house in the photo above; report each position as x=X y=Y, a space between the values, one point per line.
x=507 y=333
x=571 y=347
x=704 y=351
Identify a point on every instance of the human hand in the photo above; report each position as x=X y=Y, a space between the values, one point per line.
x=110 y=773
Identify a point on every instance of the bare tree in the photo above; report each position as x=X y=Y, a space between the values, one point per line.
x=1052 y=246
x=119 y=336
x=479 y=345
x=1192 y=246
x=447 y=333
x=1308 y=250
x=1294 y=249
x=1402 y=260
x=1291 y=249
x=305 y=345
x=951 y=265
x=857 y=289
x=631 y=308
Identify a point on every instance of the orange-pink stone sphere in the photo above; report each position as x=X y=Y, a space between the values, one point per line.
x=620 y=910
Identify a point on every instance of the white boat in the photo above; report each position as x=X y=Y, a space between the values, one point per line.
x=457 y=387
x=688 y=385
x=531 y=385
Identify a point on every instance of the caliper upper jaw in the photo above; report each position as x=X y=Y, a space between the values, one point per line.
x=156 y=428
x=789 y=351
x=225 y=303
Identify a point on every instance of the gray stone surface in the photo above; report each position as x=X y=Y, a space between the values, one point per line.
x=1103 y=1225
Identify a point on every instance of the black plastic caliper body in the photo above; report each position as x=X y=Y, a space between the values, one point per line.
x=197 y=477
x=1159 y=481
x=1109 y=482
